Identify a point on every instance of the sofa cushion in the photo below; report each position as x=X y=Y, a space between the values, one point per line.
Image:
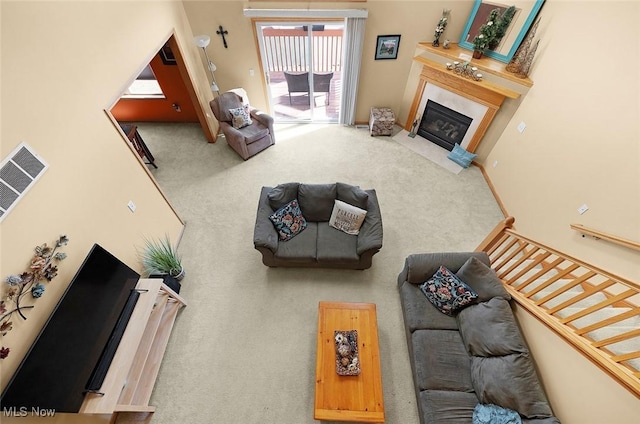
x=420 y=266
x=282 y=194
x=301 y=248
x=447 y=406
x=482 y=279
x=550 y=420
x=254 y=133
x=335 y=246
x=420 y=314
x=347 y=218
x=440 y=361
x=352 y=195
x=288 y=220
x=447 y=292
x=316 y=201
x=510 y=381
x=490 y=329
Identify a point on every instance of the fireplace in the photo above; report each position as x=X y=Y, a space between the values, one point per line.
x=443 y=126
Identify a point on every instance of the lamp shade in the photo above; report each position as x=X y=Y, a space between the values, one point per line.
x=202 y=40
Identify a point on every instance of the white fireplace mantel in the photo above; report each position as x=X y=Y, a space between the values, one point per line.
x=491 y=91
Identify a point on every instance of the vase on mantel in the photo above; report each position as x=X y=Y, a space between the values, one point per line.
x=477 y=54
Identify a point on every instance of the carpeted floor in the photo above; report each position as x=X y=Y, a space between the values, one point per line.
x=243 y=350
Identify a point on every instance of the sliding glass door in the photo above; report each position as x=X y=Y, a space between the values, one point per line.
x=302 y=62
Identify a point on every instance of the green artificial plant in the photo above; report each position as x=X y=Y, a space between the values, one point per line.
x=159 y=257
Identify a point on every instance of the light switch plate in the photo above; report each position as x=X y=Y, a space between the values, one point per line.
x=582 y=209
x=131 y=206
x=521 y=127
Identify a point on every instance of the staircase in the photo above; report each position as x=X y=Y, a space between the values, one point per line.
x=596 y=311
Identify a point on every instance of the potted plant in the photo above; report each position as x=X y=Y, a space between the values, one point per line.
x=160 y=259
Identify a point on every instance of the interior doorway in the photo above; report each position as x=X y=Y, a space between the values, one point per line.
x=302 y=64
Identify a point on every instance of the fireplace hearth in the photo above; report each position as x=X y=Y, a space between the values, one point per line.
x=443 y=126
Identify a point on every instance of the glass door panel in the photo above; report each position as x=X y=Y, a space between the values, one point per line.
x=303 y=69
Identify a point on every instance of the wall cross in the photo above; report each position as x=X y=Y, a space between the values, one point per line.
x=221 y=31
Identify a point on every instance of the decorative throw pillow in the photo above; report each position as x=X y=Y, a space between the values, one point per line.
x=447 y=292
x=461 y=156
x=288 y=220
x=240 y=117
x=346 y=217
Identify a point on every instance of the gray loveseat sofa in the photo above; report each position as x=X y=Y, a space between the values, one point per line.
x=476 y=356
x=319 y=245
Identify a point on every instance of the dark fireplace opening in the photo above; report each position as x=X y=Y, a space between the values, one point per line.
x=443 y=126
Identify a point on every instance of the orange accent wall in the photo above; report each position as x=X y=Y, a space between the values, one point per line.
x=159 y=110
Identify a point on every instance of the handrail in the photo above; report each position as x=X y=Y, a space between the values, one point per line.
x=605 y=236
x=590 y=308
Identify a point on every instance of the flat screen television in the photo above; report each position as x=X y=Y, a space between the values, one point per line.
x=73 y=350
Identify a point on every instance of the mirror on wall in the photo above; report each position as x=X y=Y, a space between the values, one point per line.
x=526 y=12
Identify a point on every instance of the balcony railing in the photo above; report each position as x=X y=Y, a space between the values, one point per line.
x=287 y=50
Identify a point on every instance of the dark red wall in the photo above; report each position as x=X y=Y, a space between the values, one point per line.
x=159 y=110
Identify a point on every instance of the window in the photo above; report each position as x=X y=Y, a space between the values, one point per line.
x=145 y=86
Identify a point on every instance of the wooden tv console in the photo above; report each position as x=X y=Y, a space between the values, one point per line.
x=132 y=374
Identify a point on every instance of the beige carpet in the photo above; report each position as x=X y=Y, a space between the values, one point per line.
x=429 y=150
x=243 y=350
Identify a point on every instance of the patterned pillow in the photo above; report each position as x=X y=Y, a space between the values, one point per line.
x=240 y=117
x=447 y=292
x=288 y=220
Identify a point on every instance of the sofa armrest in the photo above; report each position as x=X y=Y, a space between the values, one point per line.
x=264 y=233
x=264 y=119
x=420 y=266
x=370 y=236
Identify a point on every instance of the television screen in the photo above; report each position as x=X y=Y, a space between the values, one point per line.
x=63 y=359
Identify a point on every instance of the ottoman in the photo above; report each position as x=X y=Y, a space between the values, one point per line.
x=381 y=121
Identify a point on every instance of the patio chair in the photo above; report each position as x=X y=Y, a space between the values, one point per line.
x=299 y=83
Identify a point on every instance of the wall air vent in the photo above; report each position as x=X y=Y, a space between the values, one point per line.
x=18 y=172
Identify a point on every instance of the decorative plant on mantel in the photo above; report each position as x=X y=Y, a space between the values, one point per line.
x=492 y=32
x=42 y=269
x=442 y=24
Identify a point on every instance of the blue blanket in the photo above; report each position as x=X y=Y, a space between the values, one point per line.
x=493 y=414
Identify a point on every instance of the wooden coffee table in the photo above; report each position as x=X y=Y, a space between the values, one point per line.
x=348 y=398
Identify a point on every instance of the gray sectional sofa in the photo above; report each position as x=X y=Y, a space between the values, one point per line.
x=476 y=356
x=318 y=245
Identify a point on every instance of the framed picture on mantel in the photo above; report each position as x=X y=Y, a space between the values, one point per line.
x=387 y=46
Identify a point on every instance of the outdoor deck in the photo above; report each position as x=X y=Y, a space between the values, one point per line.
x=299 y=108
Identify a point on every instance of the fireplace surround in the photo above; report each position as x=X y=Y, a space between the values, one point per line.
x=484 y=98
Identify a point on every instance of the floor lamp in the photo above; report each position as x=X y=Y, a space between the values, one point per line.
x=203 y=41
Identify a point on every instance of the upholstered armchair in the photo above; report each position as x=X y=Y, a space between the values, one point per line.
x=247 y=130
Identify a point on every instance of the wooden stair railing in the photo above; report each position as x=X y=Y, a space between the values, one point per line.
x=592 y=309
x=605 y=236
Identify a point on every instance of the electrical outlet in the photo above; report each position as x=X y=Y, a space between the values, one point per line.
x=582 y=209
x=521 y=127
x=131 y=206
x=495 y=163
x=251 y=72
